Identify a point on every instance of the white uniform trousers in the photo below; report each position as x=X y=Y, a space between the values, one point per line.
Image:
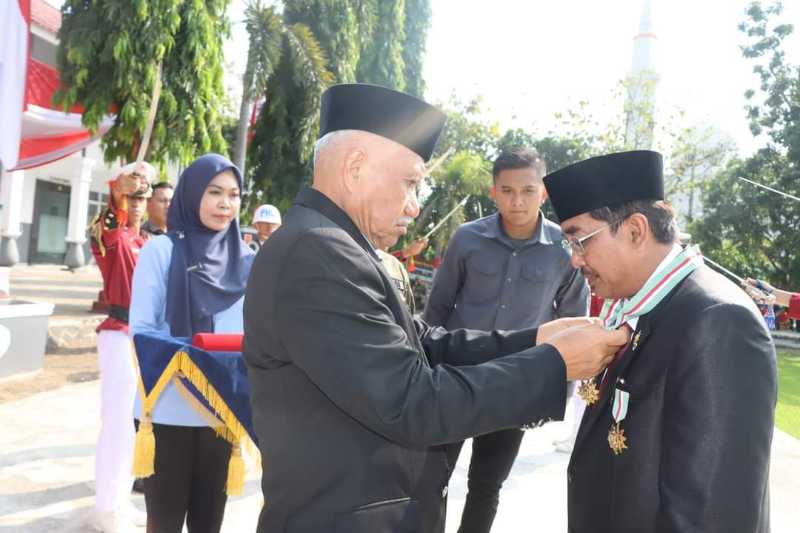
x=114 y=455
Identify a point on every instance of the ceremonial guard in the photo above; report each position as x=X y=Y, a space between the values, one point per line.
x=190 y=281
x=399 y=275
x=676 y=436
x=353 y=397
x=115 y=244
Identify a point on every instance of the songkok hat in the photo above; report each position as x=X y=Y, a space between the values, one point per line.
x=267 y=213
x=144 y=170
x=606 y=181
x=397 y=116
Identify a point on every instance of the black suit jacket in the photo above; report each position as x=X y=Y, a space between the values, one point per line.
x=352 y=397
x=702 y=384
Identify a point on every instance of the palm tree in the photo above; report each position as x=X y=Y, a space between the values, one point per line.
x=272 y=40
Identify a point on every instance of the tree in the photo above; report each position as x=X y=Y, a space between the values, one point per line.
x=417 y=24
x=324 y=42
x=697 y=155
x=337 y=26
x=287 y=127
x=465 y=173
x=108 y=55
x=779 y=114
x=752 y=231
x=381 y=60
x=267 y=31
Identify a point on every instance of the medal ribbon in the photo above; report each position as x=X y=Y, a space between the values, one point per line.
x=620 y=408
x=619 y=311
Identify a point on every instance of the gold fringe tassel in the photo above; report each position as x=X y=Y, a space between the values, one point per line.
x=144 y=455
x=235 y=483
x=231 y=430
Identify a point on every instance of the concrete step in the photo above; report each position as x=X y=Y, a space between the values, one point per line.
x=784 y=338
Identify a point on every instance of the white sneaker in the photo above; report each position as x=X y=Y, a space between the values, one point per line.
x=110 y=522
x=133 y=515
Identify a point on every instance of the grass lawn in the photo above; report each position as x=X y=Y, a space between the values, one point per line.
x=787 y=416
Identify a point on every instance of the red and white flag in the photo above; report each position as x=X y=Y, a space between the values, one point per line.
x=15 y=17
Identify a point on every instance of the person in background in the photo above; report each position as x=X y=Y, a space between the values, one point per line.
x=266 y=220
x=191 y=280
x=115 y=244
x=157 y=207
x=506 y=271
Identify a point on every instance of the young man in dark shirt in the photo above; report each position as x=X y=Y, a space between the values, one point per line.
x=506 y=271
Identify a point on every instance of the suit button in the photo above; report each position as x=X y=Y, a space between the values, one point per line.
x=570 y=477
x=444 y=492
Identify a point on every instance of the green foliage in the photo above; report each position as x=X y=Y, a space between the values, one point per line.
x=313 y=44
x=417 y=24
x=779 y=114
x=108 y=56
x=381 y=59
x=462 y=174
x=266 y=31
x=749 y=230
x=752 y=231
x=280 y=153
x=336 y=26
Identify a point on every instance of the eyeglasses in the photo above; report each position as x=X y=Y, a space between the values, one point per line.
x=576 y=243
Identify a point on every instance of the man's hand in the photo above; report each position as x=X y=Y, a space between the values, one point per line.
x=587 y=350
x=415 y=248
x=126 y=184
x=548 y=329
x=763 y=293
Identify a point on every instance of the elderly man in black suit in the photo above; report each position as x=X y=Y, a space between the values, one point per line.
x=352 y=397
x=677 y=433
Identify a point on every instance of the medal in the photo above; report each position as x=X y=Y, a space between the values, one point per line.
x=619 y=410
x=616 y=439
x=588 y=392
x=636 y=339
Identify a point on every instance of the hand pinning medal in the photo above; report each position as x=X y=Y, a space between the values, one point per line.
x=616 y=435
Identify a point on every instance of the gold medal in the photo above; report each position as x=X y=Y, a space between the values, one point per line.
x=636 y=339
x=588 y=392
x=616 y=439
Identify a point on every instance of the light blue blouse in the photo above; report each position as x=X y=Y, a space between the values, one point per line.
x=148 y=305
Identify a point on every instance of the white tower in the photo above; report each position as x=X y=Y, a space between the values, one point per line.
x=641 y=84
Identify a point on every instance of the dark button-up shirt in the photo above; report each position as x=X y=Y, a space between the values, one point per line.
x=488 y=281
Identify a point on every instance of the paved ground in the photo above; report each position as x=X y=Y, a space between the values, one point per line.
x=46 y=473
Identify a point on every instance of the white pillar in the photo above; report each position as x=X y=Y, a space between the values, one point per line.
x=78 y=213
x=11 y=187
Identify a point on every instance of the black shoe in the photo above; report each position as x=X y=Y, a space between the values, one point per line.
x=138 y=486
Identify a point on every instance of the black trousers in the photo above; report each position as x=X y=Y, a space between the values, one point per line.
x=189 y=483
x=493 y=456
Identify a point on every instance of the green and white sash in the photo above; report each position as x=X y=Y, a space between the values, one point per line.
x=617 y=312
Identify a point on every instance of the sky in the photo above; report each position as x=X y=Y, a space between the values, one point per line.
x=529 y=59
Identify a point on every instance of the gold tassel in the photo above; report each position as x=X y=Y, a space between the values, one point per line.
x=235 y=483
x=144 y=454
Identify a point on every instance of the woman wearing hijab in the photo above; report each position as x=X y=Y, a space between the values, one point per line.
x=189 y=281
